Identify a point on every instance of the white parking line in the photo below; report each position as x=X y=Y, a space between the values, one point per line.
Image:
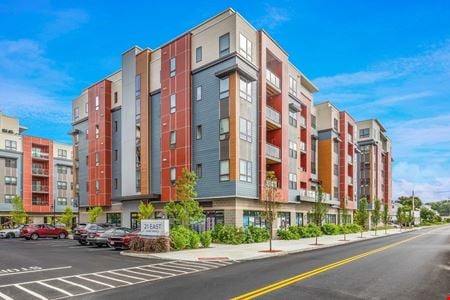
x=161 y=268
x=194 y=264
x=33 y=271
x=76 y=284
x=95 y=281
x=56 y=288
x=30 y=292
x=128 y=276
x=175 y=265
x=170 y=274
x=142 y=274
x=5 y=297
x=110 y=278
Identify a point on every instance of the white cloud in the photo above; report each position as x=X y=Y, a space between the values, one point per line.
x=273 y=17
x=351 y=79
x=62 y=22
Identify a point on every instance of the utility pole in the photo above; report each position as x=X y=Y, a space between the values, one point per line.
x=413 y=217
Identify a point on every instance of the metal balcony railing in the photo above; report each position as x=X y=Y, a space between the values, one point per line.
x=350 y=159
x=273 y=115
x=41 y=155
x=39 y=188
x=39 y=171
x=273 y=79
x=302 y=121
x=273 y=151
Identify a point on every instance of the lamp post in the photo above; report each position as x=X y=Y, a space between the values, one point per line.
x=54 y=211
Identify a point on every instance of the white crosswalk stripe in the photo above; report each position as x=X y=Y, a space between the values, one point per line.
x=73 y=285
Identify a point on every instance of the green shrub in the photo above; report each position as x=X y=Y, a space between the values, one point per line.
x=313 y=230
x=205 y=239
x=352 y=228
x=287 y=234
x=228 y=234
x=258 y=235
x=194 y=240
x=180 y=237
x=331 y=229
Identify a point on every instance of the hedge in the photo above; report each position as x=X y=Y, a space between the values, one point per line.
x=311 y=230
x=228 y=234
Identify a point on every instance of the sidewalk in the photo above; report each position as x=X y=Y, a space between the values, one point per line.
x=253 y=251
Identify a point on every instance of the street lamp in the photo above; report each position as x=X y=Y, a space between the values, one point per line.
x=54 y=211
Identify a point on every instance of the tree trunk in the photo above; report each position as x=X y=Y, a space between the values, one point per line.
x=385 y=229
x=361 y=233
x=271 y=236
x=316 y=239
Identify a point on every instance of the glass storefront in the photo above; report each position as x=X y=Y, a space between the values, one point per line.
x=253 y=218
x=299 y=219
x=134 y=220
x=114 y=218
x=283 y=220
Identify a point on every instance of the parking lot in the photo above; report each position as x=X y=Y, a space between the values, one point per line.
x=55 y=269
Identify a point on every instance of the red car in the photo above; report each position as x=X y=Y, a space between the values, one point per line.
x=122 y=241
x=35 y=231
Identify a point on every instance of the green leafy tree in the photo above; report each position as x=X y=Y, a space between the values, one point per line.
x=385 y=216
x=427 y=215
x=145 y=210
x=186 y=210
x=376 y=215
x=407 y=201
x=94 y=213
x=319 y=210
x=442 y=207
x=362 y=215
x=67 y=217
x=18 y=215
x=400 y=217
x=271 y=195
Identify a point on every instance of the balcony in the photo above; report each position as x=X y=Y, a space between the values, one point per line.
x=39 y=188
x=274 y=85
x=39 y=172
x=273 y=118
x=350 y=180
x=302 y=121
x=302 y=147
x=350 y=138
x=273 y=154
x=350 y=159
x=40 y=155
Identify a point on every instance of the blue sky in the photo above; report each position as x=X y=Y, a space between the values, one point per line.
x=384 y=59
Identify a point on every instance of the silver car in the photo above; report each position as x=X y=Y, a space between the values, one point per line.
x=11 y=232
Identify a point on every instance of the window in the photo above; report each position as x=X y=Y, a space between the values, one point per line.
x=116 y=126
x=336 y=192
x=199 y=132
x=173 y=66
x=330 y=219
x=76 y=113
x=253 y=218
x=224 y=128
x=198 y=54
x=199 y=170
x=336 y=147
x=224 y=170
x=173 y=103
x=336 y=169
x=364 y=133
x=97 y=186
x=283 y=219
x=292 y=149
x=173 y=138
x=292 y=86
x=224 y=44
x=245 y=170
x=336 y=124
x=116 y=154
x=116 y=97
x=198 y=93
x=313 y=121
x=86 y=107
x=62 y=153
x=87 y=160
x=62 y=185
x=97 y=131
x=10 y=180
x=245 y=47
x=87 y=133
x=224 y=88
x=137 y=85
x=245 y=130
x=173 y=175
x=61 y=169
x=61 y=201
x=292 y=118
x=10 y=145
x=10 y=163
x=116 y=183
x=97 y=158
x=292 y=181
x=245 y=90
x=97 y=103
x=299 y=219
x=114 y=219
x=87 y=186
x=76 y=138
x=9 y=198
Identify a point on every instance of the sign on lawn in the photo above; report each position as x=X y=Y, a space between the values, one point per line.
x=155 y=227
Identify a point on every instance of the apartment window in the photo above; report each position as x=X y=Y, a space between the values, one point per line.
x=87 y=186
x=336 y=192
x=336 y=147
x=173 y=139
x=76 y=113
x=11 y=163
x=313 y=121
x=292 y=181
x=62 y=185
x=97 y=103
x=116 y=97
x=97 y=158
x=198 y=54
x=245 y=89
x=224 y=170
x=116 y=154
x=9 y=198
x=336 y=124
x=292 y=86
x=61 y=169
x=364 y=133
x=292 y=149
x=198 y=93
x=224 y=44
x=62 y=153
x=199 y=170
x=86 y=107
x=173 y=175
x=61 y=201
x=10 y=145
x=224 y=128
x=245 y=170
x=173 y=103
x=245 y=47
x=292 y=118
x=173 y=66
x=10 y=180
x=299 y=219
x=245 y=130
x=76 y=138
x=283 y=219
x=87 y=160
x=330 y=219
x=116 y=183
x=224 y=88
x=199 y=132
x=97 y=131
x=87 y=133
x=97 y=186
x=116 y=126
x=336 y=169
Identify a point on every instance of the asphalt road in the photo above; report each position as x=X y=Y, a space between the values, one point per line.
x=416 y=268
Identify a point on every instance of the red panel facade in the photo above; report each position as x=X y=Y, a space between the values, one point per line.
x=347 y=168
x=178 y=156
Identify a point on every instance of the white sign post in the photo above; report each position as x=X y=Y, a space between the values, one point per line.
x=155 y=228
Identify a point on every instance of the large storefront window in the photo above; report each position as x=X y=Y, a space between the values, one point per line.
x=299 y=219
x=253 y=218
x=212 y=218
x=283 y=220
x=134 y=220
x=114 y=218
x=330 y=219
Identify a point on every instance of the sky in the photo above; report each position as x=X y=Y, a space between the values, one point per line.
x=388 y=60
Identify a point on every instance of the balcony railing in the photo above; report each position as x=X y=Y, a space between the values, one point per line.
x=273 y=115
x=350 y=159
x=273 y=79
x=39 y=171
x=350 y=137
x=302 y=146
x=39 y=188
x=302 y=121
x=313 y=194
x=41 y=155
x=273 y=151
x=350 y=180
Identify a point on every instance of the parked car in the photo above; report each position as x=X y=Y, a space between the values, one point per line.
x=35 y=231
x=121 y=241
x=11 y=232
x=81 y=232
x=100 y=237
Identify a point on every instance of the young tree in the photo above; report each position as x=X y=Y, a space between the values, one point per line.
x=145 y=210
x=67 y=217
x=362 y=214
x=319 y=210
x=18 y=215
x=376 y=215
x=94 y=213
x=385 y=216
x=270 y=203
x=344 y=216
x=400 y=217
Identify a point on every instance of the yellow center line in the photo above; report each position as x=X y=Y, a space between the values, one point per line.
x=280 y=284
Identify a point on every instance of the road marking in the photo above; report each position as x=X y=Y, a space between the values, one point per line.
x=110 y=278
x=55 y=288
x=76 y=284
x=30 y=292
x=291 y=280
x=161 y=268
x=34 y=271
x=5 y=297
x=155 y=271
x=124 y=275
x=181 y=267
x=196 y=264
x=95 y=281
x=142 y=274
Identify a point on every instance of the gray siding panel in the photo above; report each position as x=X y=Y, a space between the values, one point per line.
x=116 y=145
x=82 y=170
x=156 y=143
x=18 y=188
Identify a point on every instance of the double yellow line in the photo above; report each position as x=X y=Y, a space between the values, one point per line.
x=280 y=284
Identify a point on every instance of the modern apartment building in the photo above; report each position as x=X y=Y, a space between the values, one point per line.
x=37 y=169
x=375 y=162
